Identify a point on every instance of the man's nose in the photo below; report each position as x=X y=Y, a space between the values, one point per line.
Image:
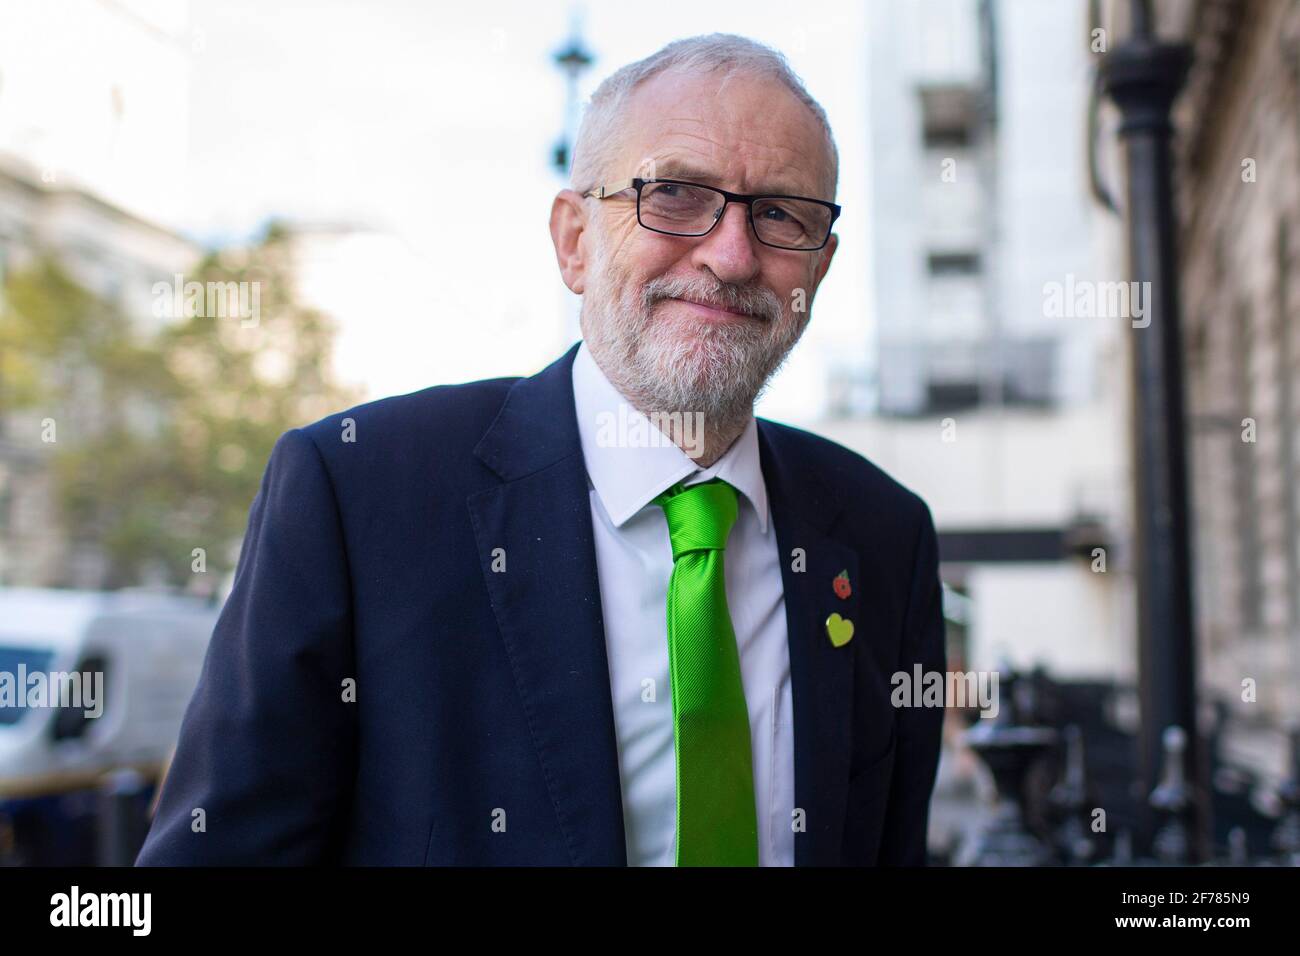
x=731 y=250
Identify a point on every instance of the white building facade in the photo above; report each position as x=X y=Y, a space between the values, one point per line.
x=1007 y=416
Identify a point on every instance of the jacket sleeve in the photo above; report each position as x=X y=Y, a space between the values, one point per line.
x=263 y=769
x=919 y=729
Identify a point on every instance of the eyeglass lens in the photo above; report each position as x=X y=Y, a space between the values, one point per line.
x=692 y=211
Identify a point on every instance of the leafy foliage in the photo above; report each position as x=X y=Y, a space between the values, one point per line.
x=164 y=426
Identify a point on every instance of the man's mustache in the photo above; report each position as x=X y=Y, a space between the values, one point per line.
x=758 y=301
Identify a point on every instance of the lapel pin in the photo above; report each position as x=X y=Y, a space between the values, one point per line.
x=839 y=629
x=841 y=584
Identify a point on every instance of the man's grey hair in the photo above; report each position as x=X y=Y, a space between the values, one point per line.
x=599 y=135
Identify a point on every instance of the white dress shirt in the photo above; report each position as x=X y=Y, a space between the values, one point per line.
x=634 y=562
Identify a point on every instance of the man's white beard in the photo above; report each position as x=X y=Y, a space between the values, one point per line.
x=682 y=364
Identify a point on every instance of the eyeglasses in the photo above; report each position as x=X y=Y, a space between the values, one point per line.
x=677 y=208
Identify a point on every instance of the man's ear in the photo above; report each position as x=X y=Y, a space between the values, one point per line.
x=824 y=261
x=568 y=221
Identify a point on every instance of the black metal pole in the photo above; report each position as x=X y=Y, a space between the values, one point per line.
x=1143 y=77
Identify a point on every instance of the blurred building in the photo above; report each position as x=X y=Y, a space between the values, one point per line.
x=1238 y=168
x=117 y=256
x=1007 y=418
x=93 y=133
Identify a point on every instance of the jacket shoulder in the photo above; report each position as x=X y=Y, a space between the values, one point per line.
x=441 y=414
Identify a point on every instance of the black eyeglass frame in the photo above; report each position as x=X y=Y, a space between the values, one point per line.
x=604 y=192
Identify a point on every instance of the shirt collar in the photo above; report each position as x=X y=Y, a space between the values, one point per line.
x=630 y=461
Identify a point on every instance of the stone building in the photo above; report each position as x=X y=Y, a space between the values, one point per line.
x=1238 y=169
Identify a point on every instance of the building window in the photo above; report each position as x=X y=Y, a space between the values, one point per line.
x=948 y=117
x=943 y=397
x=945 y=265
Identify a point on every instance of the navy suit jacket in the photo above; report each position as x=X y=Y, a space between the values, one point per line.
x=483 y=696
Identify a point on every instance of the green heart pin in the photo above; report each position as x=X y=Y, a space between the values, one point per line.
x=839 y=629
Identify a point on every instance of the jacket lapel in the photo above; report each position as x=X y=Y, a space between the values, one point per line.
x=821 y=675
x=547 y=604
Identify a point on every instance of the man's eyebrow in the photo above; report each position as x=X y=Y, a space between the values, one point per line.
x=675 y=169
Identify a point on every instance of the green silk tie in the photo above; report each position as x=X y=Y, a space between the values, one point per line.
x=716 y=820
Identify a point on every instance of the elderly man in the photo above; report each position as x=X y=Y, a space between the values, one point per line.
x=602 y=615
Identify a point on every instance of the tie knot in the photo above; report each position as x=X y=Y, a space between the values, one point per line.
x=699 y=516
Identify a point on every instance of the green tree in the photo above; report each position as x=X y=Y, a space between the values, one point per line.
x=164 y=428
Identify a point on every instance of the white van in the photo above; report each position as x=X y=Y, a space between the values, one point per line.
x=149 y=649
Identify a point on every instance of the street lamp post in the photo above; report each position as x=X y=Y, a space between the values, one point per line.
x=1143 y=77
x=572 y=60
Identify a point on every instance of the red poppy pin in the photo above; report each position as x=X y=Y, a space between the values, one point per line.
x=842 y=587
